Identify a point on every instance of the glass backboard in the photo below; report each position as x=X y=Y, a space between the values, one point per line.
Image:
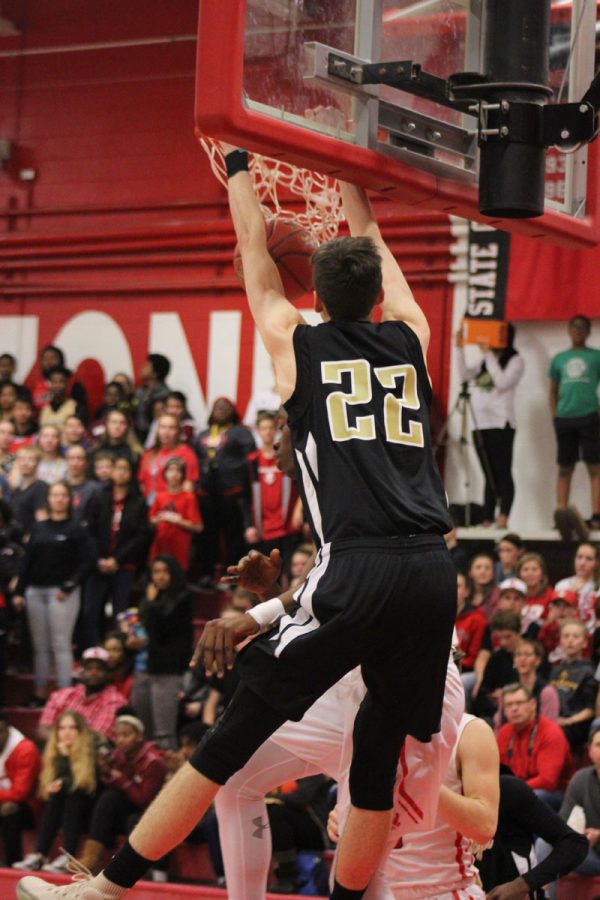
x=265 y=80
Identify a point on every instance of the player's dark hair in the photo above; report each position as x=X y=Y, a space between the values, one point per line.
x=347 y=276
x=10 y=357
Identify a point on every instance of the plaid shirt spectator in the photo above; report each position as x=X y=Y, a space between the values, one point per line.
x=98 y=709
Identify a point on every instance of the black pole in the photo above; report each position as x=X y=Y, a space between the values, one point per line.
x=516 y=44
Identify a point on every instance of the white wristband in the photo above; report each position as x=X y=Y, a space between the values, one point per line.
x=268 y=612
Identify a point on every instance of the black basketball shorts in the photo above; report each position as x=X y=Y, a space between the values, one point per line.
x=386 y=604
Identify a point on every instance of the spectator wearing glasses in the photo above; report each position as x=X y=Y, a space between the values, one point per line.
x=534 y=748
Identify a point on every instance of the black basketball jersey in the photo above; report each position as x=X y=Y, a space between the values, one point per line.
x=359 y=419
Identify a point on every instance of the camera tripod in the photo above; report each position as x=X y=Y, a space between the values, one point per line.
x=463 y=407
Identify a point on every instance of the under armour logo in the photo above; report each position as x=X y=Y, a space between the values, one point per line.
x=258 y=824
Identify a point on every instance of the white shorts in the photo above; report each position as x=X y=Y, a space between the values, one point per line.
x=319 y=738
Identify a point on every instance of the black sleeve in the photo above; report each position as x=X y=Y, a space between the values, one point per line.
x=569 y=848
x=247 y=441
x=86 y=557
x=25 y=567
x=79 y=394
x=136 y=546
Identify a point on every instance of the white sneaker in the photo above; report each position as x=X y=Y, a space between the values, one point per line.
x=58 y=866
x=33 y=862
x=31 y=888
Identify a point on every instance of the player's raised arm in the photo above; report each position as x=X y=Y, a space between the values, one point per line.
x=274 y=315
x=398 y=303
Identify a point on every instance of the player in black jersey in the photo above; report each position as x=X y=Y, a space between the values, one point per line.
x=382 y=591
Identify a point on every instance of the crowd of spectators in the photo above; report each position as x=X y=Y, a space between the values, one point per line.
x=112 y=519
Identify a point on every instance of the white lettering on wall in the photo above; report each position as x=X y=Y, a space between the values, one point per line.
x=223 y=355
x=168 y=337
x=95 y=335
x=19 y=336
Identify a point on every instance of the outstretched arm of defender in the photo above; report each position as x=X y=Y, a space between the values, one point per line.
x=274 y=315
x=398 y=303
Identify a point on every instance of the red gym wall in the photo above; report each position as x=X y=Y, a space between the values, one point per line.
x=123 y=216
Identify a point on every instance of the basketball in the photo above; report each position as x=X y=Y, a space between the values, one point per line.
x=291 y=247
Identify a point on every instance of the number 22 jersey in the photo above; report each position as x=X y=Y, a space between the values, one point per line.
x=359 y=420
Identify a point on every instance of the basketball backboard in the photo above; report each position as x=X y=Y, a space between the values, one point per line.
x=267 y=80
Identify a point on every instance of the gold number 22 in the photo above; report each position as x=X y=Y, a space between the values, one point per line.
x=361 y=392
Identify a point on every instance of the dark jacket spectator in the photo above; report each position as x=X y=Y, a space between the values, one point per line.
x=118 y=523
x=129 y=542
x=58 y=556
x=132 y=775
x=224 y=485
x=166 y=614
x=523 y=817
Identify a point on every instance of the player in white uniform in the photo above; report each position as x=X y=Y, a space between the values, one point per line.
x=322 y=743
x=439 y=864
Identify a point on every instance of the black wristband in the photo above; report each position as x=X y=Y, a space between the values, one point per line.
x=236 y=161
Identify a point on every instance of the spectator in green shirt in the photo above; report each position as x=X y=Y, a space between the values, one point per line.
x=574 y=378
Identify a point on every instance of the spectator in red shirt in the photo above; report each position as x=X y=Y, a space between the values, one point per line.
x=175 y=516
x=532 y=570
x=132 y=775
x=96 y=698
x=470 y=624
x=20 y=765
x=562 y=606
x=176 y=405
x=534 y=748
x=167 y=445
x=482 y=575
x=276 y=509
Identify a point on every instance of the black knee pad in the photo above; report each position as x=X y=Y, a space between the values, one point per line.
x=377 y=746
x=246 y=723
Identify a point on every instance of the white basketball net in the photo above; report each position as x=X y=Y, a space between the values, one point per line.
x=323 y=207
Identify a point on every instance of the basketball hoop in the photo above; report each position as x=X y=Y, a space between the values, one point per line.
x=322 y=201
